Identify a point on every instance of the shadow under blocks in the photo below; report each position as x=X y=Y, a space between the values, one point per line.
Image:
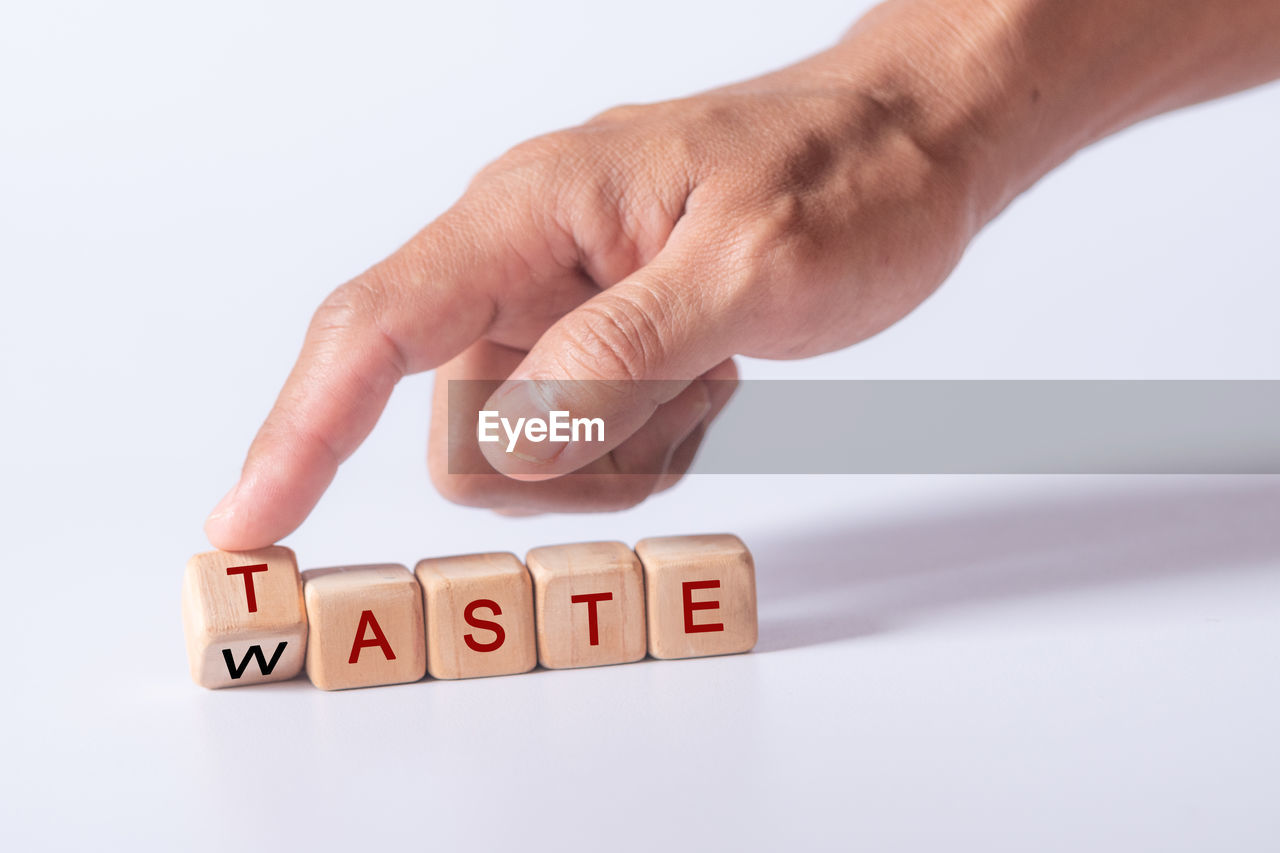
x=252 y=617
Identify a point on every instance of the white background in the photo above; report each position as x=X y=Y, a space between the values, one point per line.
x=944 y=663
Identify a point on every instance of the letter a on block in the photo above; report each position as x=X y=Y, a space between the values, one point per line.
x=700 y=595
x=365 y=626
x=369 y=623
x=243 y=616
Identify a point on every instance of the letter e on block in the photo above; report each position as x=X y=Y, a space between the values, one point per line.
x=700 y=595
x=243 y=617
x=365 y=626
x=479 y=611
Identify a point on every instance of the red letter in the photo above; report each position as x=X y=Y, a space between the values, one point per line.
x=499 y=634
x=593 y=629
x=248 y=571
x=690 y=605
x=367 y=621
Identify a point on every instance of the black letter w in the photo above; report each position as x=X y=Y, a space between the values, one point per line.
x=255 y=651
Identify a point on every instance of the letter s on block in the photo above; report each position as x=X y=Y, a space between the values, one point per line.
x=690 y=605
x=499 y=635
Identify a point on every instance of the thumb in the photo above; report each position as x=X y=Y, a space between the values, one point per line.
x=616 y=358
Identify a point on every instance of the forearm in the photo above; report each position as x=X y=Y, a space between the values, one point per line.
x=1009 y=89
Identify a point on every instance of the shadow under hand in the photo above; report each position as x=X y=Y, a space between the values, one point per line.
x=846 y=579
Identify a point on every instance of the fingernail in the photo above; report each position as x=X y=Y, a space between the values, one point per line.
x=224 y=505
x=517 y=406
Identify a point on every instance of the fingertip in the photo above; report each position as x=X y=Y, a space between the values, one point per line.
x=254 y=514
x=229 y=528
x=232 y=532
x=216 y=523
x=224 y=505
x=726 y=372
x=722 y=380
x=224 y=534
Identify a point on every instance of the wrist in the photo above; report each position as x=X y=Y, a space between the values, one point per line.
x=959 y=79
x=1005 y=90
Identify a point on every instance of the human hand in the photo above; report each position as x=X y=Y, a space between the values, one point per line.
x=782 y=217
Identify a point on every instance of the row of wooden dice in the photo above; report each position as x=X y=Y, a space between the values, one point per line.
x=251 y=617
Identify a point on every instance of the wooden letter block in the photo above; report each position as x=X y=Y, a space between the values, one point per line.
x=366 y=626
x=243 y=617
x=700 y=595
x=589 y=601
x=479 y=611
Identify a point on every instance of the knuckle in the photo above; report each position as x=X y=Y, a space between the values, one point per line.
x=621 y=114
x=773 y=262
x=777 y=224
x=534 y=162
x=780 y=241
x=544 y=179
x=549 y=147
x=357 y=318
x=351 y=305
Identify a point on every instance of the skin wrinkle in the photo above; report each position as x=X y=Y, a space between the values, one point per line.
x=614 y=250
x=350 y=313
x=620 y=188
x=322 y=441
x=621 y=353
x=421 y=265
x=370 y=308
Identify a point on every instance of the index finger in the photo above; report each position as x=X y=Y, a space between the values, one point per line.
x=414 y=310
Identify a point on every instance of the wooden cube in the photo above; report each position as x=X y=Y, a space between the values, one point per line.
x=365 y=626
x=479 y=611
x=243 y=617
x=589 y=604
x=700 y=595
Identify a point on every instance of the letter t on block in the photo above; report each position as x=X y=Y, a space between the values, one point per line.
x=589 y=604
x=243 y=616
x=700 y=595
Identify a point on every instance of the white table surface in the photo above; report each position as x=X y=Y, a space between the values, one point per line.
x=944 y=663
